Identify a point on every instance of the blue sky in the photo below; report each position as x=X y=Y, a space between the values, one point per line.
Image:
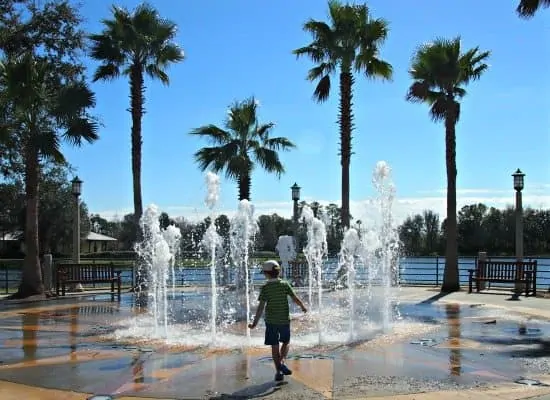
x=238 y=48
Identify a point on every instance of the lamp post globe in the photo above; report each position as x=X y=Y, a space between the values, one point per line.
x=76 y=186
x=518 y=180
x=295 y=192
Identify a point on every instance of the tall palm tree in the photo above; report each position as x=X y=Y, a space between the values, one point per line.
x=528 y=8
x=135 y=44
x=440 y=71
x=42 y=114
x=349 y=43
x=241 y=145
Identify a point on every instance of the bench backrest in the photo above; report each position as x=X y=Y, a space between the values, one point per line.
x=86 y=272
x=504 y=269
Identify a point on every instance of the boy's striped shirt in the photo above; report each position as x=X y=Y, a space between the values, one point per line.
x=275 y=293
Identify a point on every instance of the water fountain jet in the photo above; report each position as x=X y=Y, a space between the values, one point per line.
x=212 y=243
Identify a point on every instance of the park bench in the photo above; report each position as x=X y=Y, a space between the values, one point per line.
x=517 y=272
x=87 y=273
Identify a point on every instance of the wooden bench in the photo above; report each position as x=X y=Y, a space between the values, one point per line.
x=517 y=272
x=87 y=273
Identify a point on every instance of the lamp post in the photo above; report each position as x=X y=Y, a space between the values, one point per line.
x=77 y=190
x=518 y=186
x=295 y=198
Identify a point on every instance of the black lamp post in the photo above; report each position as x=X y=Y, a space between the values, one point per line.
x=77 y=191
x=295 y=198
x=518 y=186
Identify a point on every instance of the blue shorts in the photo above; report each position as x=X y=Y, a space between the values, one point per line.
x=276 y=333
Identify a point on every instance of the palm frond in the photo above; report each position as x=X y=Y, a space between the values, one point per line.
x=269 y=160
x=278 y=143
x=212 y=132
x=81 y=130
x=263 y=130
x=106 y=72
x=317 y=72
x=141 y=36
x=73 y=100
x=528 y=8
x=216 y=158
x=438 y=110
x=322 y=90
x=155 y=72
x=315 y=53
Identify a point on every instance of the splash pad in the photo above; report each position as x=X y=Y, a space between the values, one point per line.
x=358 y=305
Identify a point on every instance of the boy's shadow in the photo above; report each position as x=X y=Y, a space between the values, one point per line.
x=252 y=392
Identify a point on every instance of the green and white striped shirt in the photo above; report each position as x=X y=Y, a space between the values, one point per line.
x=275 y=293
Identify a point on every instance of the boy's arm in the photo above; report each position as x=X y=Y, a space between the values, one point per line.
x=258 y=315
x=298 y=302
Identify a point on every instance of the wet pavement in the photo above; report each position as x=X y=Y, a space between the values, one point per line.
x=447 y=345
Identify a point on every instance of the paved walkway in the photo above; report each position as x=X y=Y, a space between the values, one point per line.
x=55 y=350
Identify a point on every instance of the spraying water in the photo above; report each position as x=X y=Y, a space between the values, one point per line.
x=286 y=250
x=212 y=243
x=351 y=245
x=156 y=257
x=242 y=231
x=172 y=235
x=315 y=252
x=389 y=237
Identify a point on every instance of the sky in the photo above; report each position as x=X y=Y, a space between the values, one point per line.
x=238 y=48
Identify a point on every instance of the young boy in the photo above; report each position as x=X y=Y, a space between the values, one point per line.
x=273 y=297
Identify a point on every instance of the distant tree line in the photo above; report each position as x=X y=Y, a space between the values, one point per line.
x=479 y=228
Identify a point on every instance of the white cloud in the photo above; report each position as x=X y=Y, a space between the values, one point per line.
x=367 y=209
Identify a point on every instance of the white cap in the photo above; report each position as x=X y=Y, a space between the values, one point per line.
x=271 y=265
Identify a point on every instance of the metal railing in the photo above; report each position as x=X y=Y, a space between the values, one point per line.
x=424 y=271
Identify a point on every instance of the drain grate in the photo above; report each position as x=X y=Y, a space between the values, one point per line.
x=301 y=357
x=529 y=382
x=310 y=357
x=425 y=342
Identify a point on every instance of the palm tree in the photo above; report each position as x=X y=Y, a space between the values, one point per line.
x=243 y=144
x=349 y=42
x=528 y=8
x=440 y=71
x=135 y=44
x=42 y=114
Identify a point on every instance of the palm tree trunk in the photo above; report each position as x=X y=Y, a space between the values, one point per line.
x=451 y=281
x=31 y=280
x=346 y=127
x=137 y=89
x=244 y=182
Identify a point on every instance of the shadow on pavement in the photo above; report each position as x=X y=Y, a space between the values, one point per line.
x=435 y=298
x=252 y=392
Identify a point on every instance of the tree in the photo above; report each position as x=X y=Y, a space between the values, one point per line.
x=411 y=234
x=51 y=31
x=135 y=44
x=471 y=236
x=350 y=41
x=440 y=71
x=241 y=145
x=57 y=203
x=165 y=221
x=528 y=8
x=44 y=111
x=431 y=226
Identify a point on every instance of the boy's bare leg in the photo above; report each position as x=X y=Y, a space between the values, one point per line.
x=284 y=352
x=276 y=355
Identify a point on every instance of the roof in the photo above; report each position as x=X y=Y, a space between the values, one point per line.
x=98 y=237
